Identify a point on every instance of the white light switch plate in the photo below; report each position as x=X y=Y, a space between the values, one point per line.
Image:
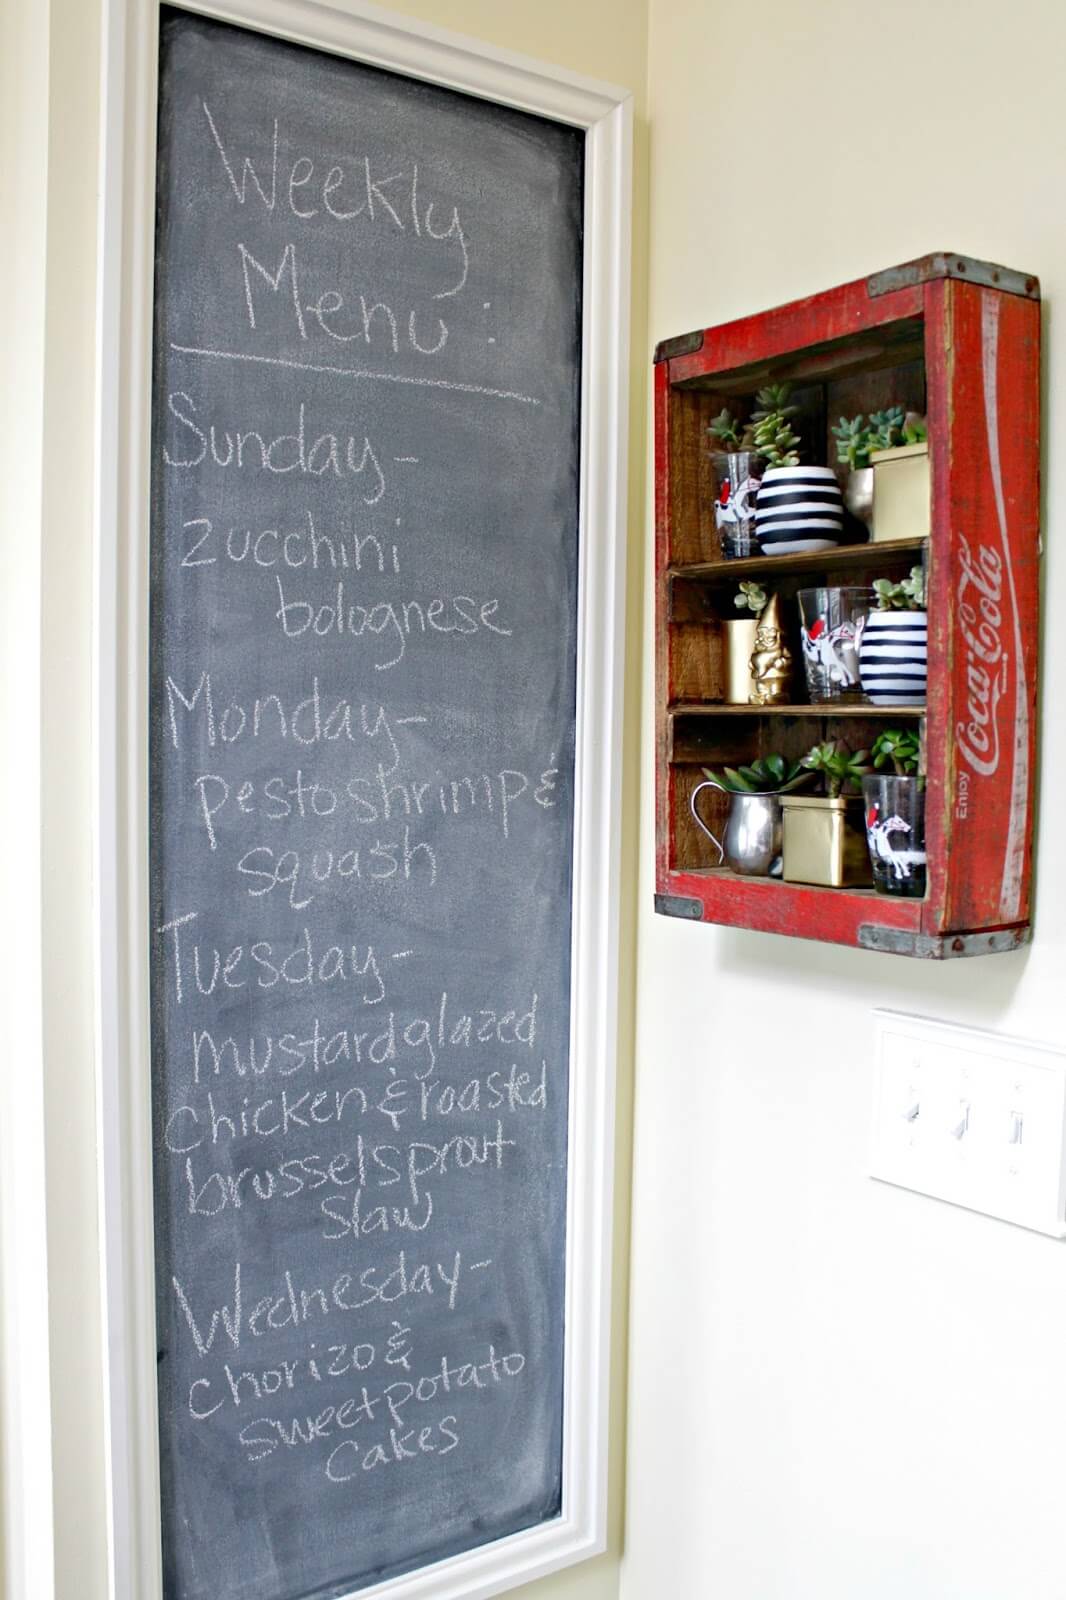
x=972 y=1117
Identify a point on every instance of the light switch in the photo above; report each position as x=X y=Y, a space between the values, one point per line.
x=961 y=1123
x=972 y=1117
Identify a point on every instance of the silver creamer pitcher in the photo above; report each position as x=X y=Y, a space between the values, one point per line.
x=751 y=844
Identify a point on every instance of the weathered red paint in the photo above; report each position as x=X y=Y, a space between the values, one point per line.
x=833 y=915
x=984 y=415
x=831 y=315
x=982 y=355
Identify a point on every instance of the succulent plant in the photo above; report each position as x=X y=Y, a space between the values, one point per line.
x=772 y=401
x=914 y=588
x=775 y=441
x=730 y=434
x=886 y=428
x=853 y=438
x=752 y=597
x=773 y=774
x=908 y=595
x=839 y=766
x=899 y=746
x=772 y=437
x=857 y=437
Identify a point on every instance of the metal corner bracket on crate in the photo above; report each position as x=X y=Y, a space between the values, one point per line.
x=947 y=264
x=682 y=344
x=929 y=947
x=679 y=905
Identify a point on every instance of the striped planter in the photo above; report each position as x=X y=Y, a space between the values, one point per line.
x=892 y=657
x=799 y=509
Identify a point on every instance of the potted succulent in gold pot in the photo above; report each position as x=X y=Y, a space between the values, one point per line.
x=824 y=841
x=738 y=642
x=899 y=456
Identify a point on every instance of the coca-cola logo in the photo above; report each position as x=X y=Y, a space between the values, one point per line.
x=980 y=613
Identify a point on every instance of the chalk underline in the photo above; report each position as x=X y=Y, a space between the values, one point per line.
x=355 y=372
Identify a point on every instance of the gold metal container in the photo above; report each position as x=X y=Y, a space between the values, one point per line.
x=901 y=508
x=824 y=841
x=738 y=642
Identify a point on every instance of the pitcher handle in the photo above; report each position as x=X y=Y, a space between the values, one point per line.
x=708 y=783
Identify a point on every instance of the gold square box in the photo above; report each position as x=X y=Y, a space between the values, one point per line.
x=824 y=841
x=902 y=507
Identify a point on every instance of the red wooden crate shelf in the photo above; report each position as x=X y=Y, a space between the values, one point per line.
x=959 y=339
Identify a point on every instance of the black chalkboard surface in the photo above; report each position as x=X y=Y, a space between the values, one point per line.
x=363 y=641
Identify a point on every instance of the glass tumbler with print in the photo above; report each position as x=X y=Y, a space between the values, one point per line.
x=831 y=624
x=895 y=832
x=738 y=473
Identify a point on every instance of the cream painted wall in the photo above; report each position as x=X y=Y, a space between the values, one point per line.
x=25 y=1445
x=838 y=1389
x=51 y=1417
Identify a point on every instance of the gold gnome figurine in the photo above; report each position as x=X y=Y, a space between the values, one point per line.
x=771 y=660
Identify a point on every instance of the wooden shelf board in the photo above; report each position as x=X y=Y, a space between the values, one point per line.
x=703 y=708
x=723 y=875
x=871 y=556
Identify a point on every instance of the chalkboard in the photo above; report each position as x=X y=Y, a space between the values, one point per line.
x=364 y=557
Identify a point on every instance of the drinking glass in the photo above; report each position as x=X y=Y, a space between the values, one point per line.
x=738 y=474
x=895 y=832
x=831 y=624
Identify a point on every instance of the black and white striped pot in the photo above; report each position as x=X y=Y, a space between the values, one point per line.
x=892 y=657
x=799 y=509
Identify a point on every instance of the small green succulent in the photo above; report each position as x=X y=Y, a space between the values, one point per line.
x=772 y=401
x=773 y=437
x=752 y=597
x=899 y=746
x=839 y=766
x=773 y=774
x=857 y=437
x=908 y=595
x=853 y=438
x=886 y=428
x=776 y=443
x=729 y=433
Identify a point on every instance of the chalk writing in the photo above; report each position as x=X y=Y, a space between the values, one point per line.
x=363 y=681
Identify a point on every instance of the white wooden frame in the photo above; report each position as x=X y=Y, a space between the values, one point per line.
x=349 y=27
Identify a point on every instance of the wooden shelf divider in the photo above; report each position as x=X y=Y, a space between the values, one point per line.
x=834 y=708
x=871 y=557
